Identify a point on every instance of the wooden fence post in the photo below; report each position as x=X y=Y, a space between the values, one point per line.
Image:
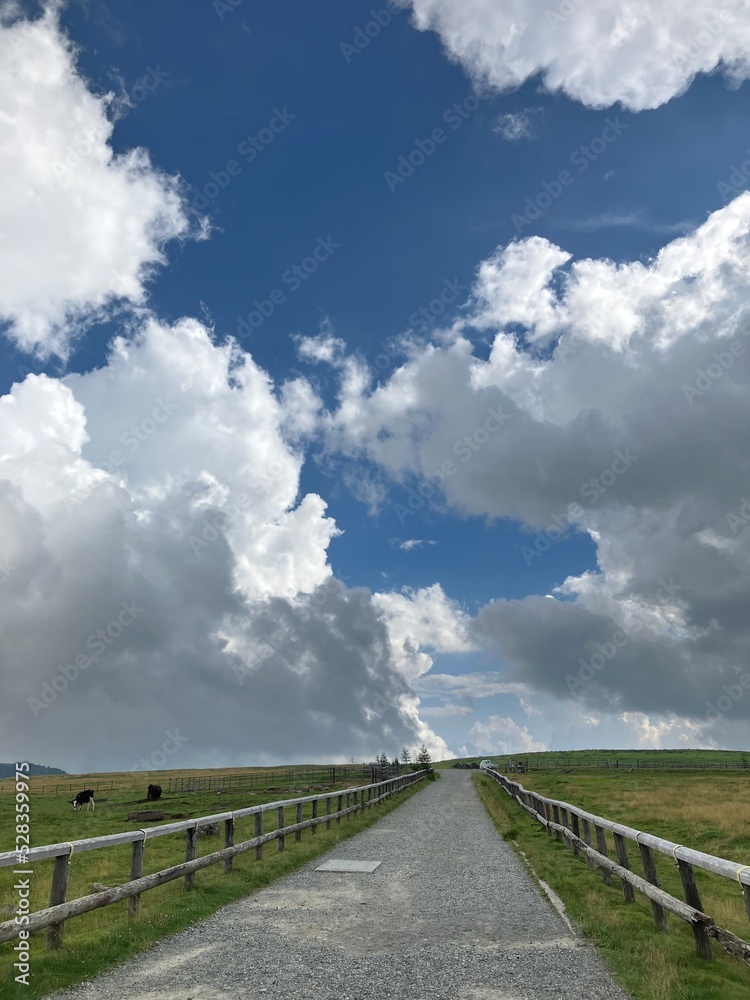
x=348 y=805
x=601 y=846
x=566 y=823
x=692 y=898
x=339 y=807
x=328 y=812
x=576 y=828
x=228 y=841
x=259 y=833
x=550 y=818
x=556 y=814
x=314 y=827
x=649 y=868
x=136 y=870
x=280 y=826
x=590 y=863
x=190 y=842
x=57 y=894
x=298 y=819
x=628 y=893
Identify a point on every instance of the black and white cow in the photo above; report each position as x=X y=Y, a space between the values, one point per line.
x=86 y=797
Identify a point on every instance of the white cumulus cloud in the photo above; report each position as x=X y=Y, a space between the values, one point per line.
x=161 y=571
x=600 y=52
x=614 y=404
x=82 y=229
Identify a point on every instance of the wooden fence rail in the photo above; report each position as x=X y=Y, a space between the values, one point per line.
x=60 y=909
x=567 y=822
x=552 y=763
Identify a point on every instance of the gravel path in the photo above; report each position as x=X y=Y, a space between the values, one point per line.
x=463 y=922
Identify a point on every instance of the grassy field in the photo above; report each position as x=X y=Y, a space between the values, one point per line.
x=646 y=759
x=106 y=937
x=709 y=811
x=289 y=777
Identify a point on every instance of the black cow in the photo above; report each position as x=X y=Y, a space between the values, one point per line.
x=86 y=797
x=154 y=793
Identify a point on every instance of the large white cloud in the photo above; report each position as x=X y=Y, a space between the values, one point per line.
x=614 y=402
x=420 y=620
x=600 y=52
x=152 y=527
x=82 y=229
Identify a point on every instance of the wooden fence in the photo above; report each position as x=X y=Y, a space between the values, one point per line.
x=552 y=763
x=578 y=829
x=321 y=774
x=349 y=801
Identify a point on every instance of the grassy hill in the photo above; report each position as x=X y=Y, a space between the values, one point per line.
x=562 y=759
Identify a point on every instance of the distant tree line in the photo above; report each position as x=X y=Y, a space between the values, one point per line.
x=9 y=770
x=422 y=761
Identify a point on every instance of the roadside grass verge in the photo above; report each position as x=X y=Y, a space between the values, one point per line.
x=97 y=941
x=650 y=965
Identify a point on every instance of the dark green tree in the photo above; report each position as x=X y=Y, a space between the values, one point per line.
x=424 y=761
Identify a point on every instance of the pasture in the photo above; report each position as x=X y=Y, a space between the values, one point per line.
x=617 y=759
x=286 y=778
x=104 y=937
x=705 y=810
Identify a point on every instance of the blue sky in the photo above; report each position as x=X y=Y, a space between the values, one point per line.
x=291 y=235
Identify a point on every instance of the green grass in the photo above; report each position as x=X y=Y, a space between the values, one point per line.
x=617 y=759
x=98 y=940
x=708 y=811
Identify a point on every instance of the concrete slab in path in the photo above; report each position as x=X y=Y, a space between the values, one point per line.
x=449 y=914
